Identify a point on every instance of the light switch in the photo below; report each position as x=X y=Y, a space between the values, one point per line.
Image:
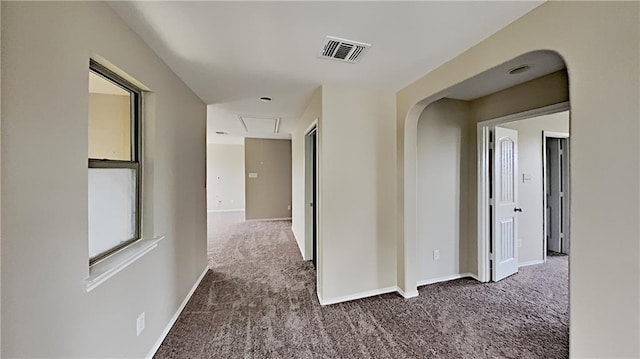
x=253 y=175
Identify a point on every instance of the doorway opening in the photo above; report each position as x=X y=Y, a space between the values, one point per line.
x=556 y=201
x=453 y=225
x=523 y=190
x=311 y=194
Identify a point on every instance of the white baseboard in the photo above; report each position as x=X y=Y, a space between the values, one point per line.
x=446 y=278
x=224 y=210
x=407 y=295
x=268 y=219
x=530 y=263
x=355 y=296
x=404 y=294
x=473 y=276
x=156 y=346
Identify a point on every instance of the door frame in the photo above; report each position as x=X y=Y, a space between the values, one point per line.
x=308 y=189
x=484 y=225
x=545 y=135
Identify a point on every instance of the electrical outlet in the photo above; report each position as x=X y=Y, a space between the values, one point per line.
x=436 y=255
x=140 y=324
x=289 y=207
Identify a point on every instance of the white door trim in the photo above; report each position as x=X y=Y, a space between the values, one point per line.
x=545 y=135
x=483 y=178
x=308 y=213
x=308 y=160
x=312 y=126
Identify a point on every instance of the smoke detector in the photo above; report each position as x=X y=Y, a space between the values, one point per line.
x=339 y=49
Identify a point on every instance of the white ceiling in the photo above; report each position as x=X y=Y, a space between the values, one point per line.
x=498 y=78
x=231 y=53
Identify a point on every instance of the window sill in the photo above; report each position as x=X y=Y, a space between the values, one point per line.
x=110 y=266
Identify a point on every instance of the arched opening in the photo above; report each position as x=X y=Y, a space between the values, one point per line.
x=448 y=217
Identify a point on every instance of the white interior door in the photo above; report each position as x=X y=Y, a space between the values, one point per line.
x=505 y=204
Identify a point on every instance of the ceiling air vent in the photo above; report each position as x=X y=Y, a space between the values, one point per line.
x=343 y=50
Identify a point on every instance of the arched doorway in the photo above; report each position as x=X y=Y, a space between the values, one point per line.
x=443 y=229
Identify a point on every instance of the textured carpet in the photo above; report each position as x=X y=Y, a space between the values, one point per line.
x=259 y=301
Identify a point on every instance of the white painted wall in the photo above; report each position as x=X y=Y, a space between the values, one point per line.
x=445 y=168
x=225 y=177
x=357 y=198
x=312 y=113
x=46 y=311
x=601 y=46
x=530 y=194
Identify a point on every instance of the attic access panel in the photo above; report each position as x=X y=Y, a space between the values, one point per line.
x=256 y=125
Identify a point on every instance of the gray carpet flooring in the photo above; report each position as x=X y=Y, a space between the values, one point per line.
x=259 y=301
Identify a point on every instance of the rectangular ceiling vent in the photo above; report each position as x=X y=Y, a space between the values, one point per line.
x=343 y=50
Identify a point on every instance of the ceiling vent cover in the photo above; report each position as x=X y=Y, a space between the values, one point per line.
x=343 y=50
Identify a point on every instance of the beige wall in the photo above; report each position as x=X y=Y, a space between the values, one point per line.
x=269 y=195
x=46 y=311
x=109 y=126
x=540 y=92
x=600 y=44
x=357 y=202
x=530 y=194
x=447 y=172
x=445 y=176
x=544 y=91
x=225 y=177
x=299 y=202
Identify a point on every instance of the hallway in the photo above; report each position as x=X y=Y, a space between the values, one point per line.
x=259 y=301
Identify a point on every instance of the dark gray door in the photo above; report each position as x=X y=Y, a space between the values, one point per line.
x=314 y=187
x=557 y=195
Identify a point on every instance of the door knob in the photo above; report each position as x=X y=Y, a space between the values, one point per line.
x=517 y=209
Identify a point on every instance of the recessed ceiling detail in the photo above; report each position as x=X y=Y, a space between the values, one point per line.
x=256 y=125
x=339 y=49
x=521 y=69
